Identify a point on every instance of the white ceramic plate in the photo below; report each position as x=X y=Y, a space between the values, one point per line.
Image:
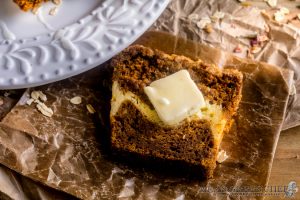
x=39 y=49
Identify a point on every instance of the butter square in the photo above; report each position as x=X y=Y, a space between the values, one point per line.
x=175 y=97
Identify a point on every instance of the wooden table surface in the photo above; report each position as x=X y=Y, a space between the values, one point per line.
x=286 y=165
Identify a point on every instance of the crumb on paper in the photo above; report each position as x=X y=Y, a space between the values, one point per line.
x=218 y=15
x=255 y=49
x=249 y=36
x=44 y=109
x=180 y=197
x=6 y=94
x=53 y=11
x=208 y=28
x=30 y=101
x=76 y=100
x=284 y=10
x=293 y=90
x=250 y=55
x=272 y=3
x=128 y=189
x=222 y=156
x=267 y=28
x=237 y=49
x=203 y=22
x=39 y=98
x=90 y=108
x=246 y=3
x=35 y=10
x=279 y=16
x=262 y=38
x=36 y=95
x=193 y=17
x=56 y=2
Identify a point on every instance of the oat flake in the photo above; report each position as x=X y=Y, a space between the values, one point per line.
x=90 y=108
x=76 y=100
x=44 y=109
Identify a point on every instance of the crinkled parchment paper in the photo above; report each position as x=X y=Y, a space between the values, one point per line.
x=238 y=23
x=70 y=151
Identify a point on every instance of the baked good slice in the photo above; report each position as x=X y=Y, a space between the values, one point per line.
x=136 y=124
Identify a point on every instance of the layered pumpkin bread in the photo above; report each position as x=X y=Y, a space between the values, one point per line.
x=170 y=107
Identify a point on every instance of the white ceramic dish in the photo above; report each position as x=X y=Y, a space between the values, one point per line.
x=39 y=49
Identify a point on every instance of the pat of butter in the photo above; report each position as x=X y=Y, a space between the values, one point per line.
x=175 y=97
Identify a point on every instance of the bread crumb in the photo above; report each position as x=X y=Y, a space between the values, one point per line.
x=203 y=22
x=218 y=15
x=76 y=100
x=222 y=156
x=237 y=49
x=255 y=49
x=208 y=28
x=284 y=10
x=90 y=108
x=53 y=11
x=57 y=2
x=279 y=16
x=193 y=17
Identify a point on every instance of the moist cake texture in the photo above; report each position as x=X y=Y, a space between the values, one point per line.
x=135 y=125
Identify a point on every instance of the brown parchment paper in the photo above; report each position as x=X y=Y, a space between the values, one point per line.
x=239 y=22
x=70 y=151
x=13 y=185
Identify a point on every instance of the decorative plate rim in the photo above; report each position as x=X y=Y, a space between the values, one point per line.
x=76 y=48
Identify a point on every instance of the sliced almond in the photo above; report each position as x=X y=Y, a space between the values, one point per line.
x=76 y=100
